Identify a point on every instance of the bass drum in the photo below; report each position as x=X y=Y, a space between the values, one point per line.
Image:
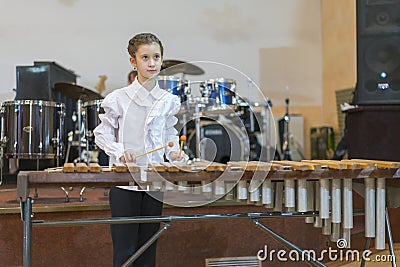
x=220 y=142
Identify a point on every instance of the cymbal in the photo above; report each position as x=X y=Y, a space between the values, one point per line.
x=171 y=67
x=76 y=92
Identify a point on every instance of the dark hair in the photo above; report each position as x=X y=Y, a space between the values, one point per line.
x=141 y=39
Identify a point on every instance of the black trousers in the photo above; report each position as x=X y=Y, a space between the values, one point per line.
x=127 y=238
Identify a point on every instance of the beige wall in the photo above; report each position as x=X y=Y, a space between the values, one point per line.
x=338 y=53
x=308 y=45
x=312 y=84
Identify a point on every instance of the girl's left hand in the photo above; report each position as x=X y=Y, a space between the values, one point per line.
x=174 y=156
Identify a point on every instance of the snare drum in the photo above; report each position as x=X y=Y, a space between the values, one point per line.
x=221 y=89
x=92 y=111
x=32 y=129
x=174 y=85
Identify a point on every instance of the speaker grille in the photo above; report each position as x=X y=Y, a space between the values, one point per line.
x=378 y=52
x=381 y=19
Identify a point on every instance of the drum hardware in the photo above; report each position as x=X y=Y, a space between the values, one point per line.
x=92 y=111
x=76 y=92
x=57 y=141
x=266 y=115
x=2 y=164
x=172 y=67
x=286 y=133
x=81 y=95
x=184 y=130
x=79 y=122
x=256 y=119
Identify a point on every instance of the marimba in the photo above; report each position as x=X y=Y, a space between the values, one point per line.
x=320 y=190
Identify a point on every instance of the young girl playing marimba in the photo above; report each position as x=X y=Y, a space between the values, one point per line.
x=138 y=118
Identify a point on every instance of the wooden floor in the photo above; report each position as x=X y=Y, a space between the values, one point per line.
x=378 y=259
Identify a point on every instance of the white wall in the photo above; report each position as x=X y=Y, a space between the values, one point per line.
x=90 y=36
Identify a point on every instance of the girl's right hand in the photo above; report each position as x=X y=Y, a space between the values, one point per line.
x=128 y=157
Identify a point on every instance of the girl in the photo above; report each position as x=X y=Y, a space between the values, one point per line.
x=138 y=118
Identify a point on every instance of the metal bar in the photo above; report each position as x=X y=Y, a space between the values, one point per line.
x=380 y=214
x=153 y=219
x=145 y=246
x=150 y=219
x=310 y=260
x=366 y=247
x=390 y=237
x=27 y=229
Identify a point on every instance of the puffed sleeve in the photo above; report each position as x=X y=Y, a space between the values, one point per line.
x=107 y=131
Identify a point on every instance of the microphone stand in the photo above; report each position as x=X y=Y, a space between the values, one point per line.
x=286 y=148
x=197 y=128
x=267 y=130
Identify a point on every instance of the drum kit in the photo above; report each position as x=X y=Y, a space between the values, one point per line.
x=34 y=129
x=86 y=118
x=212 y=113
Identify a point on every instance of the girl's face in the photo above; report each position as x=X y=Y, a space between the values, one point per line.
x=148 y=61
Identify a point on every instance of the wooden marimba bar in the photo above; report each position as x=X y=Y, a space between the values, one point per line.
x=287 y=186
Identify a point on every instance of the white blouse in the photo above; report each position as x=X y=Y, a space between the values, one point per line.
x=138 y=120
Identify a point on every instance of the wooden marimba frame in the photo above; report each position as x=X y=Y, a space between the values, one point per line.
x=319 y=190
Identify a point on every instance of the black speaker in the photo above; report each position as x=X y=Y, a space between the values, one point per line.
x=373 y=132
x=36 y=82
x=378 y=52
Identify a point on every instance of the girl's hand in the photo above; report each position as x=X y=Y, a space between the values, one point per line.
x=174 y=156
x=128 y=157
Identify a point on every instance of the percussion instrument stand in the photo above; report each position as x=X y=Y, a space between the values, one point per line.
x=286 y=133
x=390 y=237
x=25 y=180
x=197 y=128
x=78 y=132
x=267 y=129
x=307 y=257
x=184 y=129
x=66 y=193
x=390 y=242
x=79 y=106
x=1 y=164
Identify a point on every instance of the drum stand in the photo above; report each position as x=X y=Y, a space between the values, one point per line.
x=71 y=143
x=267 y=129
x=184 y=130
x=1 y=165
x=78 y=131
x=286 y=133
x=197 y=128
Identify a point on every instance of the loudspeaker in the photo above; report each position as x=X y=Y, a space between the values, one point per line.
x=36 y=82
x=378 y=52
x=373 y=132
